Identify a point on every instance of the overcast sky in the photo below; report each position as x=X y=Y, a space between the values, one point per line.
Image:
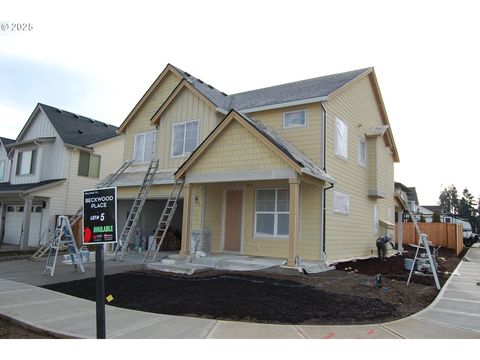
x=97 y=58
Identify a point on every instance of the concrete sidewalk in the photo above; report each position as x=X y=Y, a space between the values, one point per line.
x=455 y=314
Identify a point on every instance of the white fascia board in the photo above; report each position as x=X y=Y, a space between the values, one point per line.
x=285 y=104
x=222 y=111
x=77 y=147
x=275 y=174
x=323 y=177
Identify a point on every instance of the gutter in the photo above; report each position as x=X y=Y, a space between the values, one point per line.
x=324 y=159
x=285 y=104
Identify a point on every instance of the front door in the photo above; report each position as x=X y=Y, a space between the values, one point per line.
x=233 y=220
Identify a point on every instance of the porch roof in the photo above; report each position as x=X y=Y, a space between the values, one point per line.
x=8 y=188
x=298 y=160
x=136 y=178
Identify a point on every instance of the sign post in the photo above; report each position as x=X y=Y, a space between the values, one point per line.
x=99 y=228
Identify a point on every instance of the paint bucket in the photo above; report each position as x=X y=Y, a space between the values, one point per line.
x=408 y=264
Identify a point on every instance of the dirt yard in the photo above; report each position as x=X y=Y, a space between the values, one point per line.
x=347 y=295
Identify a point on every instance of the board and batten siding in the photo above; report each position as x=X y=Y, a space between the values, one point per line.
x=306 y=139
x=6 y=171
x=50 y=156
x=352 y=235
x=186 y=106
x=141 y=120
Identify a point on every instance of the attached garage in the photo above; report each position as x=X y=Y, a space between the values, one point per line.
x=14 y=224
x=148 y=222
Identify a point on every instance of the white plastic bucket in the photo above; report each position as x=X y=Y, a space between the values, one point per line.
x=408 y=264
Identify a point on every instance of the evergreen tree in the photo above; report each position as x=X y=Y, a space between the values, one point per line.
x=448 y=200
x=436 y=217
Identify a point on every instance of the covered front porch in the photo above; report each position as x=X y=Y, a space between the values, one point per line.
x=252 y=193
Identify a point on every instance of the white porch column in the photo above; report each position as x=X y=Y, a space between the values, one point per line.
x=294 y=220
x=400 y=231
x=187 y=212
x=27 y=209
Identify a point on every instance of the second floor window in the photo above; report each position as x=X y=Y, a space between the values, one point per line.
x=26 y=162
x=341 y=139
x=144 y=146
x=89 y=165
x=184 y=138
x=295 y=119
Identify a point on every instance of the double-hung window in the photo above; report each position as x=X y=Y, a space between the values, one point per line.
x=184 y=138
x=26 y=162
x=89 y=165
x=144 y=146
x=272 y=212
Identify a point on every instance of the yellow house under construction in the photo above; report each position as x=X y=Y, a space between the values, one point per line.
x=302 y=170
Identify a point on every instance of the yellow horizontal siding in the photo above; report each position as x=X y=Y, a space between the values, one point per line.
x=306 y=139
x=187 y=106
x=353 y=235
x=141 y=121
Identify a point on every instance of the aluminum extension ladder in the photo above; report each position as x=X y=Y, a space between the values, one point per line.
x=135 y=211
x=422 y=243
x=164 y=222
x=42 y=249
x=63 y=236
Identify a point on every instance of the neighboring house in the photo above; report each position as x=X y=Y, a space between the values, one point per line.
x=56 y=156
x=5 y=159
x=406 y=202
x=300 y=170
x=428 y=210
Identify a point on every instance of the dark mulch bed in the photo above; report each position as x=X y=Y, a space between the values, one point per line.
x=275 y=295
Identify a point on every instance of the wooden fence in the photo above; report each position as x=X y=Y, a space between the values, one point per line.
x=446 y=235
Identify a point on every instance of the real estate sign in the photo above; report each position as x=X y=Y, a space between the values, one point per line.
x=100 y=216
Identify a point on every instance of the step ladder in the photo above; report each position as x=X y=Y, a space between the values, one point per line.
x=164 y=222
x=63 y=237
x=422 y=244
x=42 y=249
x=135 y=212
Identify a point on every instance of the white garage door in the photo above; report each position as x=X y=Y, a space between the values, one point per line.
x=13 y=224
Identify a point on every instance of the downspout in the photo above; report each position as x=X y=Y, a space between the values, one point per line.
x=324 y=160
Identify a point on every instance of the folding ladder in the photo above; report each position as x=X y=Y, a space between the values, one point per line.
x=164 y=222
x=79 y=214
x=63 y=236
x=422 y=243
x=135 y=211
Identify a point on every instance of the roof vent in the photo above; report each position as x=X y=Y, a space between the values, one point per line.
x=75 y=115
x=60 y=111
x=106 y=125
x=223 y=93
x=81 y=131
x=210 y=86
x=200 y=81
x=92 y=121
x=187 y=73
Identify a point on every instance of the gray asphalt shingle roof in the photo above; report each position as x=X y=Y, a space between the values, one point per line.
x=295 y=91
x=6 y=187
x=76 y=129
x=6 y=141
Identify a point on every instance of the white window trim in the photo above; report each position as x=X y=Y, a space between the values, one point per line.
x=184 y=137
x=144 y=134
x=334 y=207
x=364 y=164
x=275 y=218
x=31 y=164
x=295 y=126
x=338 y=154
